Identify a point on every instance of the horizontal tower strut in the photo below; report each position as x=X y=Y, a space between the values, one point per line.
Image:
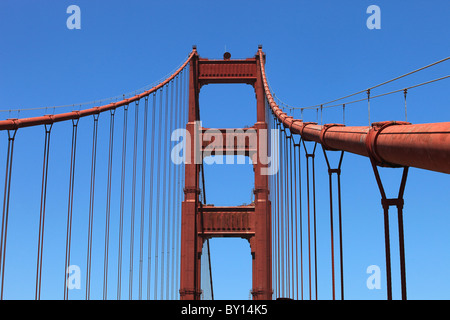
x=238 y=221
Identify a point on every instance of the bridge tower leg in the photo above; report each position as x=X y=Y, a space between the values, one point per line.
x=190 y=255
x=262 y=244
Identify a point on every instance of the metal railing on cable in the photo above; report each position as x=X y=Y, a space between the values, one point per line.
x=328 y=104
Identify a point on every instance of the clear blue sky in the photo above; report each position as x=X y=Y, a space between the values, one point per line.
x=316 y=51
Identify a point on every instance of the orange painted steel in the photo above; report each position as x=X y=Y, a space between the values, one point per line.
x=11 y=124
x=390 y=143
x=202 y=72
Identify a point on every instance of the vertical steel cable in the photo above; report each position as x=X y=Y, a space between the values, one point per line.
x=405 y=92
x=284 y=220
x=368 y=104
x=122 y=194
x=309 y=220
x=108 y=205
x=401 y=235
x=150 y=208
x=158 y=192
x=182 y=122
x=314 y=214
x=133 y=199
x=91 y=207
x=298 y=216
x=174 y=192
x=207 y=240
x=321 y=114
x=144 y=163
x=273 y=214
x=169 y=197
x=292 y=215
x=287 y=215
x=338 y=172
x=47 y=129
x=286 y=212
x=332 y=236
x=386 y=203
x=70 y=205
x=6 y=197
x=341 y=253
x=164 y=189
x=279 y=174
x=311 y=155
x=282 y=214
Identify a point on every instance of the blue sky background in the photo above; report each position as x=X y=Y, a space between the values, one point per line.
x=316 y=51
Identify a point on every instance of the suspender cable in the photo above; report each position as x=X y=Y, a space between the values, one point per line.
x=288 y=206
x=158 y=192
x=291 y=207
x=368 y=104
x=170 y=190
x=42 y=211
x=332 y=237
x=288 y=213
x=207 y=240
x=298 y=214
x=144 y=162
x=343 y=113
x=386 y=203
x=164 y=189
x=330 y=173
x=108 y=205
x=5 y=214
x=285 y=227
x=91 y=206
x=122 y=194
x=174 y=192
x=150 y=208
x=341 y=253
x=405 y=92
x=282 y=227
x=311 y=155
x=133 y=199
x=70 y=205
x=275 y=219
x=279 y=175
x=181 y=121
x=293 y=221
x=271 y=198
x=314 y=216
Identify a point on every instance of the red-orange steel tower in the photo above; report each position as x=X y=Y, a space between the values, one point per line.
x=199 y=222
